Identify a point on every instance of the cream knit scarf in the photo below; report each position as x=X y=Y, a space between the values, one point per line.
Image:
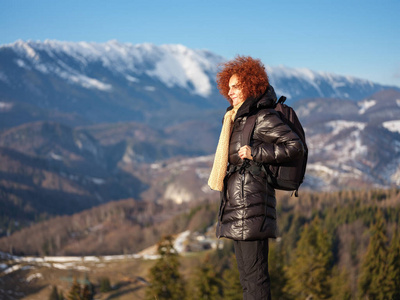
x=218 y=172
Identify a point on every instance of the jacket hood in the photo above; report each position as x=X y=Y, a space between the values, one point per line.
x=266 y=100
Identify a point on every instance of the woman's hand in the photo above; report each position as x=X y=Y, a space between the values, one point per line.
x=245 y=152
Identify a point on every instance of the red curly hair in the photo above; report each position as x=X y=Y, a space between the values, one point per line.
x=252 y=77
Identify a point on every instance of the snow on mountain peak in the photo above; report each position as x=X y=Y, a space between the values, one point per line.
x=323 y=84
x=174 y=65
x=182 y=66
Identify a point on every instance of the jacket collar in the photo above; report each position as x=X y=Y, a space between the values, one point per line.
x=266 y=100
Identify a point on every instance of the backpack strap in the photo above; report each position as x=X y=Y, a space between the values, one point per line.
x=251 y=122
x=282 y=99
x=248 y=129
x=246 y=136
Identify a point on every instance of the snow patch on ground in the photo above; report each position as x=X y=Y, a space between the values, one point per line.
x=131 y=78
x=20 y=63
x=305 y=110
x=98 y=181
x=3 y=77
x=180 y=240
x=16 y=268
x=55 y=156
x=317 y=167
x=177 y=193
x=75 y=262
x=150 y=88
x=206 y=189
x=357 y=148
x=43 y=68
x=12 y=269
x=5 y=106
x=393 y=126
x=396 y=177
x=60 y=266
x=351 y=169
x=34 y=276
x=339 y=125
x=365 y=105
x=85 y=81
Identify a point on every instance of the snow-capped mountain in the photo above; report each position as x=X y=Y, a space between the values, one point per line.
x=353 y=144
x=145 y=103
x=173 y=65
x=110 y=82
x=93 y=82
x=303 y=83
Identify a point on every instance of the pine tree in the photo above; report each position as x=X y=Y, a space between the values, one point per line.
x=232 y=288
x=88 y=290
x=75 y=291
x=393 y=267
x=340 y=285
x=373 y=274
x=61 y=296
x=309 y=274
x=86 y=293
x=54 y=293
x=276 y=272
x=166 y=282
x=105 y=285
x=207 y=284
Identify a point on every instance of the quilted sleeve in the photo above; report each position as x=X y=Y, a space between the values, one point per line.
x=279 y=143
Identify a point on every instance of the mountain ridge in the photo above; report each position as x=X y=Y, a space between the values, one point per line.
x=155 y=134
x=116 y=71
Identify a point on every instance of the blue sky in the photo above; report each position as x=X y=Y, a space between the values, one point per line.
x=357 y=38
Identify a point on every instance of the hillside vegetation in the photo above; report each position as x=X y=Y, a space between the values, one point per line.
x=333 y=232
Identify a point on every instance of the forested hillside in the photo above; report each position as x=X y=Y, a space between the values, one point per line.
x=345 y=241
x=343 y=245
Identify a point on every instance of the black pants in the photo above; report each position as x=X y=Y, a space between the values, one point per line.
x=252 y=260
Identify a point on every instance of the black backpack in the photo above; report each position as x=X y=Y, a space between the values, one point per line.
x=287 y=176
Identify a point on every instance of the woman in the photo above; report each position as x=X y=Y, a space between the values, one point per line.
x=248 y=206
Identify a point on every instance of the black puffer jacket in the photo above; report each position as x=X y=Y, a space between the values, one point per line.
x=248 y=203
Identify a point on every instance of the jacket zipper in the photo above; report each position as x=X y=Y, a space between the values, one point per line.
x=242 y=186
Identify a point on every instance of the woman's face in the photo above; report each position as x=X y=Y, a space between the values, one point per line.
x=235 y=93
